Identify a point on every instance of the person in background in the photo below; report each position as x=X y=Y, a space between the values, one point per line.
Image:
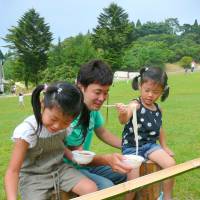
x=13 y=89
x=94 y=79
x=152 y=84
x=37 y=160
x=21 y=99
x=193 y=65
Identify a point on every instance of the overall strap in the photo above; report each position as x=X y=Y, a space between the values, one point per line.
x=31 y=125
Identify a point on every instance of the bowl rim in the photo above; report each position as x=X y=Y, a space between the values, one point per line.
x=141 y=159
x=78 y=152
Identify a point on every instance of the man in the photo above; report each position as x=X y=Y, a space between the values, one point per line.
x=94 y=80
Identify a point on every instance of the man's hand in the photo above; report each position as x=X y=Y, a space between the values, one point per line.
x=115 y=161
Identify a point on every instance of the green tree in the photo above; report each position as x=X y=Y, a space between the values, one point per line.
x=61 y=72
x=186 y=46
x=65 y=58
x=30 y=39
x=112 y=34
x=195 y=27
x=185 y=61
x=146 y=53
x=56 y=55
x=138 y=23
x=152 y=28
x=13 y=69
x=79 y=50
x=173 y=25
x=186 y=28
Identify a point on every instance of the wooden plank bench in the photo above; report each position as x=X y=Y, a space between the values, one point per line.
x=151 y=192
x=140 y=182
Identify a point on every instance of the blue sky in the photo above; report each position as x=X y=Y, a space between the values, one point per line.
x=71 y=17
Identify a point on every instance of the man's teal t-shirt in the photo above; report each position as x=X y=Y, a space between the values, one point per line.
x=75 y=137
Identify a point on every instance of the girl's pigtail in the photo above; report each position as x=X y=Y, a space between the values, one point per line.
x=135 y=82
x=84 y=121
x=36 y=104
x=144 y=69
x=165 y=93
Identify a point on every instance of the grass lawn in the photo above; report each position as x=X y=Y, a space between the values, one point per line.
x=181 y=115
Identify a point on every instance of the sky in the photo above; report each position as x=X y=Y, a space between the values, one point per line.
x=70 y=17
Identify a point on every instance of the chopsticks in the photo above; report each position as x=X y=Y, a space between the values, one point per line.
x=109 y=106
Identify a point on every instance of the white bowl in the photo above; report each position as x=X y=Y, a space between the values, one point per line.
x=133 y=160
x=83 y=157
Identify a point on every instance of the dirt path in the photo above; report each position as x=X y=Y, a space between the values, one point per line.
x=174 y=68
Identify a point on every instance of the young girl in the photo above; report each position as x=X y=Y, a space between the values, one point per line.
x=37 y=158
x=152 y=84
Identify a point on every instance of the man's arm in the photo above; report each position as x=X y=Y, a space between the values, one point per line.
x=107 y=137
x=115 y=161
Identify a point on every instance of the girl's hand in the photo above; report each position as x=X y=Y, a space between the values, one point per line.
x=169 y=151
x=121 y=108
x=72 y=148
x=68 y=152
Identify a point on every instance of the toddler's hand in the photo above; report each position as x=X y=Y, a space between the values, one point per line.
x=121 y=108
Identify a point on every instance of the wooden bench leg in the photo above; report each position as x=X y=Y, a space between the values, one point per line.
x=151 y=192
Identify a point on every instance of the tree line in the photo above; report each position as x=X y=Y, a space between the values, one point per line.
x=123 y=44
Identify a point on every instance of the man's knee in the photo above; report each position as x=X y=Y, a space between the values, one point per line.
x=105 y=184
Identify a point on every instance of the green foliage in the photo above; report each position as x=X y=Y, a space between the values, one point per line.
x=59 y=73
x=138 y=23
x=78 y=50
x=192 y=29
x=123 y=44
x=185 y=61
x=186 y=46
x=173 y=25
x=167 y=39
x=65 y=58
x=7 y=86
x=56 y=55
x=152 y=28
x=170 y=26
x=145 y=53
x=73 y=52
x=112 y=34
x=30 y=39
x=13 y=69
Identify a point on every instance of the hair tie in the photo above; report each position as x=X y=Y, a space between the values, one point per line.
x=59 y=90
x=166 y=87
x=45 y=87
x=138 y=76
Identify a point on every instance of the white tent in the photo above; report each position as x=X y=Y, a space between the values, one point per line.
x=124 y=75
